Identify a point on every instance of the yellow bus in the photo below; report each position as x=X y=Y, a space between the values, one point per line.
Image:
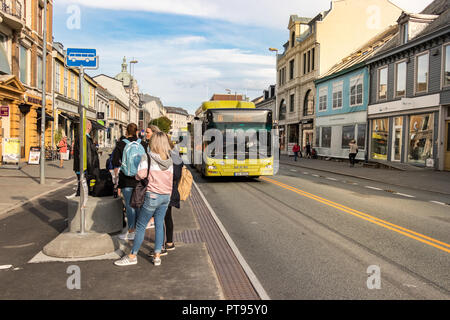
x=251 y=157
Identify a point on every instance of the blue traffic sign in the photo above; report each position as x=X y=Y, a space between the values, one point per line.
x=86 y=58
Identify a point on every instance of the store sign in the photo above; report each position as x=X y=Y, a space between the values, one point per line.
x=34 y=100
x=34 y=155
x=100 y=115
x=11 y=150
x=4 y=111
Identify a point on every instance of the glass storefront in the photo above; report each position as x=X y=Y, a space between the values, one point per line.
x=420 y=138
x=379 y=139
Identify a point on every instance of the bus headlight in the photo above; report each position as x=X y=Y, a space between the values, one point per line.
x=269 y=166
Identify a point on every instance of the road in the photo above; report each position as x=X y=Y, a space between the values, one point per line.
x=310 y=235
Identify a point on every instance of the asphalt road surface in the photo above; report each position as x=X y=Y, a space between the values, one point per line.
x=310 y=235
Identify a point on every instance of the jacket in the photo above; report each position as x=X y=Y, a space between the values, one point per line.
x=93 y=162
x=160 y=175
x=177 y=170
x=353 y=148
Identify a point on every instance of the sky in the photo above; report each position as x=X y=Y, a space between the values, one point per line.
x=188 y=49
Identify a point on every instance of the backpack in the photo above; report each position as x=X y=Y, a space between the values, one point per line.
x=109 y=164
x=131 y=157
x=185 y=184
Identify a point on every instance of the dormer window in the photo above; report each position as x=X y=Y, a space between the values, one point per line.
x=293 y=39
x=405 y=33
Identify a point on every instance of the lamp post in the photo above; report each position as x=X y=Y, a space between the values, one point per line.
x=131 y=87
x=44 y=94
x=276 y=107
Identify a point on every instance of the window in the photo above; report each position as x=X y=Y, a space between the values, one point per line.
x=323 y=96
x=58 y=78
x=282 y=115
x=400 y=79
x=40 y=21
x=422 y=73
x=337 y=95
x=348 y=134
x=65 y=82
x=309 y=61
x=23 y=62
x=361 y=137
x=39 y=73
x=380 y=138
x=446 y=80
x=292 y=103
x=326 y=137
x=304 y=63
x=405 y=35
x=4 y=41
x=308 y=104
x=421 y=138
x=291 y=69
x=312 y=58
x=356 y=90
x=293 y=40
x=72 y=85
x=382 y=83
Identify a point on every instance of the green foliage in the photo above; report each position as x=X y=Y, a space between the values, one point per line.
x=58 y=135
x=162 y=123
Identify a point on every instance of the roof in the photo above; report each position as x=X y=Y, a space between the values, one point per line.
x=363 y=53
x=176 y=110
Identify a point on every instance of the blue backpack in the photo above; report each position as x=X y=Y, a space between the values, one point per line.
x=131 y=157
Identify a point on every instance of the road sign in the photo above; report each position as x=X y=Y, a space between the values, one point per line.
x=85 y=58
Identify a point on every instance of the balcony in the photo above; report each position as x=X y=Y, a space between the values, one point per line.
x=11 y=14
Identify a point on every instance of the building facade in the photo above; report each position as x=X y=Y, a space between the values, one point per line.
x=179 y=118
x=342 y=99
x=131 y=88
x=21 y=62
x=315 y=45
x=409 y=108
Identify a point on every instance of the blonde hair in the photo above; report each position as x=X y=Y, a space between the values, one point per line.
x=153 y=128
x=159 y=144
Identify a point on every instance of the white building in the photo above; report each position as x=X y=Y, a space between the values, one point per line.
x=179 y=118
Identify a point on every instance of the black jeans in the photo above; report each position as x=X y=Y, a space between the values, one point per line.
x=168 y=222
x=352 y=157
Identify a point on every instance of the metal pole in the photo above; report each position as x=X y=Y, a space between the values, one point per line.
x=44 y=95
x=82 y=133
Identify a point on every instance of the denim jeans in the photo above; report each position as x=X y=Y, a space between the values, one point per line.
x=132 y=213
x=154 y=205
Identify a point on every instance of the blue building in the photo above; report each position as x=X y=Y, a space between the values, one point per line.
x=342 y=99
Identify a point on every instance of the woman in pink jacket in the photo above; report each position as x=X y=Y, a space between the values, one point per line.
x=157 y=197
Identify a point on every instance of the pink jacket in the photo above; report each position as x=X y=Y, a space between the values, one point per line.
x=160 y=177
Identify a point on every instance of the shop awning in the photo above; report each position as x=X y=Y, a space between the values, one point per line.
x=48 y=117
x=97 y=126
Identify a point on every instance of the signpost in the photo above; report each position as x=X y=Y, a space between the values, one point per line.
x=82 y=59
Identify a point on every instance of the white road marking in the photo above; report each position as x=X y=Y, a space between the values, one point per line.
x=332 y=179
x=404 y=195
x=6 y=266
x=373 y=188
x=305 y=172
x=293 y=170
x=315 y=175
x=438 y=202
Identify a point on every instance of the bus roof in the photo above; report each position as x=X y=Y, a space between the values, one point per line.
x=224 y=104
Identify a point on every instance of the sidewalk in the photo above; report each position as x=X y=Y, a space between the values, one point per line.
x=20 y=186
x=423 y=179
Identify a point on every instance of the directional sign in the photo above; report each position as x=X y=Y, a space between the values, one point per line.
x=86 y=58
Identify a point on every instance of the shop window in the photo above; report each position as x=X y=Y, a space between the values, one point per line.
x=348 y=134
x=361 y=137
x=421 y=138
x=422 y=73
x=326 y=137
x=317 y=137
x=379 y=140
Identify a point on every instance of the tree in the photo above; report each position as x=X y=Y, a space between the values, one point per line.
x=163 y=123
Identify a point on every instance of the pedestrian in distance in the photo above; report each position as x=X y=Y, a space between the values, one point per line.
x=93 y=162
x=308 y=150
x=157 y=197
x=174 y=201
x=62 y=145
x=296 y=150
x=352 y=152
x=126 y=159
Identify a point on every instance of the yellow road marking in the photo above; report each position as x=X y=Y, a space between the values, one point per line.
x=406 y=232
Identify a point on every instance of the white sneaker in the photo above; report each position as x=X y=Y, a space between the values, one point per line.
x=156 y=261
x=125 y=261
x=127 y=236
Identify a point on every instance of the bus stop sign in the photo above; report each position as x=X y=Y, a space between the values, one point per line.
x=86 y=58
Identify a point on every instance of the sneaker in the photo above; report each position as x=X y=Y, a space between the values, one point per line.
x=157 y=261
x=163 y=253
x=125 y=261
x=171 y=247
x=127 y=236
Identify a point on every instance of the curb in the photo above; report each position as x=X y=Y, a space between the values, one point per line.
x=364 y=178
x=22 y=203
x=248 y=271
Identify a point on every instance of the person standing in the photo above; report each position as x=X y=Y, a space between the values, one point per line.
x=62 y=145
x=127 y=183
x=157 y=197
x=296 y=150
x=93 y=162
x=352 y=152
x=308 y=150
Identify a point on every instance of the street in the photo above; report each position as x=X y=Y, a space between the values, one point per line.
x=307 y=235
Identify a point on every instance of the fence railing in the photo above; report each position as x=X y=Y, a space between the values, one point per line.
x=11 y=7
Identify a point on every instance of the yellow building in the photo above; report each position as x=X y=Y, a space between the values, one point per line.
x=21 y=62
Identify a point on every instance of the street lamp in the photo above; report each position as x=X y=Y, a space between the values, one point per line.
x=131 y=87
x=276 y=107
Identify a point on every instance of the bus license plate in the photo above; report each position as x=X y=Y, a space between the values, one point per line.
x=238 y=174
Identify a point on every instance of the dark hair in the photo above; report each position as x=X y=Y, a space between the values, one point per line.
x=132 y=129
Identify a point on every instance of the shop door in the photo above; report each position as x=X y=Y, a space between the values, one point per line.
x=447 y=146
x=397 y=142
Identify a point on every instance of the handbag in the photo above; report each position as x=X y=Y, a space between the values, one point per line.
x=138 y=196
